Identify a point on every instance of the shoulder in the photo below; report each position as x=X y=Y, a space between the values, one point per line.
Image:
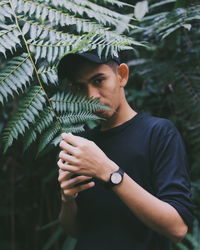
x=158 y=125
x=163 y=134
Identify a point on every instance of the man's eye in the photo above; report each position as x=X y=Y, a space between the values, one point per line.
x=80 y=89
x=98 y=81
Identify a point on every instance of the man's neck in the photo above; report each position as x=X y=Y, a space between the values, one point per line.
x=121 y=116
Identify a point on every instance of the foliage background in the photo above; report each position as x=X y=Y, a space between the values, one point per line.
x=164 y=81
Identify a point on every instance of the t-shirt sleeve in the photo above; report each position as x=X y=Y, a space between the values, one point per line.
x=170 y=170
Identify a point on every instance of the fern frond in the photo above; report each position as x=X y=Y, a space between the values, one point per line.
x=9 y=38
x=101 y=14
x=181 y=17
x=165 y=23
x=193 y=13
x=54 y=16
x=58 y=17
x=75 y=128
x=113 y=2
x=52 y=51
x=41 y=32
x=14 y=76
x=70 y=102
x=41 y=123
x=70 y=122
x=48 y=75
x=48 y=136
x=52 y=137
x=26 y=114
x=45 y=120
x=79 y=117
x=160 y=3
x=37 y=30
x=5 y=11
x=4 y=2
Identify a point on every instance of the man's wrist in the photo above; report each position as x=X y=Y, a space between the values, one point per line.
x=109 y=169
x=66 y=199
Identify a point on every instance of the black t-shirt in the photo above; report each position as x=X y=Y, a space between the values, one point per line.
x=150 y=150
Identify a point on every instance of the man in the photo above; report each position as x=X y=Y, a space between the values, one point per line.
x=125 y=183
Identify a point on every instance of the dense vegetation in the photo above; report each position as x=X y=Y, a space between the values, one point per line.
x=33 y=36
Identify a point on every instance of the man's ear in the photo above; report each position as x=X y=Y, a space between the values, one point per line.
x=123 y=72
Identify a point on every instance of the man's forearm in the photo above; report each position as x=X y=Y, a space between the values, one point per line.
x=157 y=214
x=68 y=217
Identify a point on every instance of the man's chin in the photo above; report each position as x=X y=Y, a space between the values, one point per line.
x=102 y=113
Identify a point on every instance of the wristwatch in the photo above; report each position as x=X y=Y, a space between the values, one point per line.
x=115 y=178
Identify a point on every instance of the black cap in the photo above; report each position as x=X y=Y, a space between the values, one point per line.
x=66 y=64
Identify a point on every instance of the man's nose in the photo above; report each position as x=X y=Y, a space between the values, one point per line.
x=93 y=92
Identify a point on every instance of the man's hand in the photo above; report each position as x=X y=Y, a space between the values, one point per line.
x=84 y=157
x=68 y=184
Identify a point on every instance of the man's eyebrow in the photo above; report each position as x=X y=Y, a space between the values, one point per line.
x=91 y=78
x=95 y=76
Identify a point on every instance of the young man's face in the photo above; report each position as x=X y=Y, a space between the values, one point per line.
x=100 y=81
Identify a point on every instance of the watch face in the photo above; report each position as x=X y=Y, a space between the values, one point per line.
x=116 y=178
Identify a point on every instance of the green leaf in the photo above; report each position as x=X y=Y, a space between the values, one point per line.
x=141 y=8
x=15 y=75
x=70 y=102
x=9 y=37
x=187 y=26
x=48 y=136
x=19 y=123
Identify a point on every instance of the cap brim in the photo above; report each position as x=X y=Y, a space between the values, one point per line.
x=67 y=59
x=89 y=55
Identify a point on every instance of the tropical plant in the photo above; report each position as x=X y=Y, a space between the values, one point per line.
x=165 y=79
x=34 y=35
x=170 y=69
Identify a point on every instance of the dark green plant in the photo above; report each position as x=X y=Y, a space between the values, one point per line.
x=170 y=69
x=165 y=80
x=34 y=35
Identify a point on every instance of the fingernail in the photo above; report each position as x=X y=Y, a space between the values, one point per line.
x=63 y=135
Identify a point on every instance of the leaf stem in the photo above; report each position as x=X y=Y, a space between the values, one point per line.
x=33 y=63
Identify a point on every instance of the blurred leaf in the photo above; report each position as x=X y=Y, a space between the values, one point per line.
x=141 y=8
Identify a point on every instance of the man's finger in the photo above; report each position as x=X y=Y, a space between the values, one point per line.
x=73 y=181
x=74 y=140
x=67 y=147
x=68 y=158
x=64 y=175
x=78 y=189
x=67 y=167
